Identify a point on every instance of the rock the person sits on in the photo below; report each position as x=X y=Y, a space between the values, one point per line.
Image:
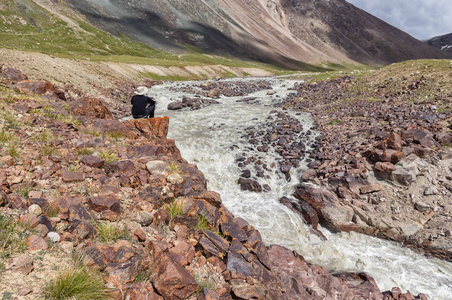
x=142 y=105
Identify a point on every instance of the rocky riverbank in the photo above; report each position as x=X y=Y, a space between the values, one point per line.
x=70 y=173
x=380 y=167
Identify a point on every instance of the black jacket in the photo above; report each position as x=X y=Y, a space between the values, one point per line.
x=139 y=103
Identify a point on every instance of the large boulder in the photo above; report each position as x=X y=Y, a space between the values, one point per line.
x=12 y=75
x=150 y=128
x=90 y=107
x=331 y=212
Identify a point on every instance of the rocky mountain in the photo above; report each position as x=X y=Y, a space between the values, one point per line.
x=284 y=31
x=443 y=42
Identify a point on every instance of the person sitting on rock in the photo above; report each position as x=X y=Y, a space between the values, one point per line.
x=140 y=107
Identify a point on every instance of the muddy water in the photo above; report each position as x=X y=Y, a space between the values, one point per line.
x=211 y=138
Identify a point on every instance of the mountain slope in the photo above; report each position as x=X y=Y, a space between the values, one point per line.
x=443 y=42
x=282 y=31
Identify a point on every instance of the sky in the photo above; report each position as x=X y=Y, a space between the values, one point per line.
x=422 y=19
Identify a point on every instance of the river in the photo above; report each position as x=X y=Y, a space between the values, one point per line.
x=211 y=138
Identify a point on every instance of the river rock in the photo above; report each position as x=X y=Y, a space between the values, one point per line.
x=250 y=185
x=174 y=106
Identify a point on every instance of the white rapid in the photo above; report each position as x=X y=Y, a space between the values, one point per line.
x=211 y=138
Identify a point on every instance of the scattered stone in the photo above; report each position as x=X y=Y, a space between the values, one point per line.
x=144 y=218
x=35 y=209
x=421 y=206
x=22 y=264
x=35 y=242
x=69 y=176
x=92 y=161
x=24 y=291
x=54 y=237
x=105 y=202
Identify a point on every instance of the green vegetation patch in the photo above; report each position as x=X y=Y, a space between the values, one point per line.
x=13 y=238
x=78 y=282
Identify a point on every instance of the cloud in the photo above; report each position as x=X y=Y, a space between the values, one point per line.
x=423 y=19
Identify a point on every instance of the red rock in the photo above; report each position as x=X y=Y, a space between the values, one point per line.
x=385 y=167
x=12 y=75
x=186 y=252
x=30 y=220
x=65 y=203
x=34 y=87
x=123 y=272
x=92 y=161
x=140 y=234
x=35 y=242
x=371 y=188
x=141 y=291
x=90 y=107
x=393 y=141
x=244 y=290
x=207 y=294
x=171 y=280
x=106 y=202
x=149 y=128
x=69 y=176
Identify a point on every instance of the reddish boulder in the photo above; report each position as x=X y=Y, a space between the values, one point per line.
x=12 y=75
x=171 y=280
x=149 y=128
x=35 y=242
x=92 y=161
x=69 y=176
x=90 y=107
x=105 y=202
x=37 y=87
x=393 y=141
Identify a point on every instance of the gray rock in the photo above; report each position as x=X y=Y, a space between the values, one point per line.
x=157 y=167
x=54 y=237
x=421 y=206
x=175 y=106
x=144 y=218
x=432 y=190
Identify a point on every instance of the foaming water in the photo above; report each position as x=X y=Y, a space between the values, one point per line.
x=211 y=138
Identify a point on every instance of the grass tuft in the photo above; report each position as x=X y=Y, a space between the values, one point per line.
x=13 y=238
x=202 y=223
x=84 y=151
x=174 y=167
x=108 y=156
x=78 y=282
x=111 y=232
x=175 y=209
